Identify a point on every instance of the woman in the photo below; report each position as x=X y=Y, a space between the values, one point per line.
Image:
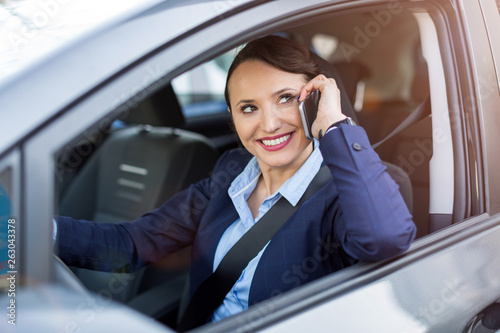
x=359 y=215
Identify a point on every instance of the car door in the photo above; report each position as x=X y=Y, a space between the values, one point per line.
x=449 y=274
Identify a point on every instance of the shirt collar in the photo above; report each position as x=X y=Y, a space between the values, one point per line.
x=246 y=181
x=295 y=186
x=292 y=189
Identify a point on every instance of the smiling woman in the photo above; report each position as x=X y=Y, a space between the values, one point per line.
x=356 y=211
x=268 y=123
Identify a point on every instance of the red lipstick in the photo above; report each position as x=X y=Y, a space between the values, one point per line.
x=277 y=142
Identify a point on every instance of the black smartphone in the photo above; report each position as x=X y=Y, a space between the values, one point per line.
x=308 y=109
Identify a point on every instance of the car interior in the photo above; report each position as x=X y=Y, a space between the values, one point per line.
x=173 y=138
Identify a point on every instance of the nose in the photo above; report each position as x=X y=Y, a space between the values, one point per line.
x=270 y=121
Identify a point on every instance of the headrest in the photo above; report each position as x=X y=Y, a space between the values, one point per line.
x=352 y=73
x=160 y=109
x=329 y=71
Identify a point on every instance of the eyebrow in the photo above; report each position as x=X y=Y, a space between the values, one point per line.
x=276 y=93
x=245 y=101
x=279 y=92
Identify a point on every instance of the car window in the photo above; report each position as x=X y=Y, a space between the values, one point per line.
x=200 y=91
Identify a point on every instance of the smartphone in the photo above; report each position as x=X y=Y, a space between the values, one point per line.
x=308 y=109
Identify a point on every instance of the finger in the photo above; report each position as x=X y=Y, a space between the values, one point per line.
x=320 y=82
x=313 y=84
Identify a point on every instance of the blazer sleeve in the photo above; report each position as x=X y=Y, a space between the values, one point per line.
x=374 y=222
x=130 y=245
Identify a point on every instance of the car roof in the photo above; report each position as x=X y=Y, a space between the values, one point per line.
x=30 y=98
x=34 y=30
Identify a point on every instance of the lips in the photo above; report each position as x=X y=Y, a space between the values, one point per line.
x=276 y=142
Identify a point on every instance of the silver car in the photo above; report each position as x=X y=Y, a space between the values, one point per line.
x=113 y=115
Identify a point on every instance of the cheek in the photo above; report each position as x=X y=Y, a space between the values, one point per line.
x=243 y=127
x=293 y=118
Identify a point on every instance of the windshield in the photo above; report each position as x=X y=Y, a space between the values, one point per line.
x=31 y=29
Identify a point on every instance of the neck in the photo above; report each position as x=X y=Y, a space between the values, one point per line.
x=273 y=177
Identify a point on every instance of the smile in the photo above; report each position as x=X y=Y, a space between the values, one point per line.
x=275 y=143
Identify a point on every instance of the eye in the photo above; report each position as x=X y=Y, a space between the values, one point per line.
x=248 y=108
x=286 y=98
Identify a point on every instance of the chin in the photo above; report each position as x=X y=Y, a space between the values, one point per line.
x=278 y=161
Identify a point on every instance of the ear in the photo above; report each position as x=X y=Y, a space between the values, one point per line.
x=229 y=109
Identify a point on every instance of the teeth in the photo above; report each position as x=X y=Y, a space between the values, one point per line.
x=275 y=142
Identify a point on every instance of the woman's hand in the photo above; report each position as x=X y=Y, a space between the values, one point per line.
x=329 y=108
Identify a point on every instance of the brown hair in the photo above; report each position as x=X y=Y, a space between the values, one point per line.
x=279 y=52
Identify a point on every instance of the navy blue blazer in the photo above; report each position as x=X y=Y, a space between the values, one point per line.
x=359 y=215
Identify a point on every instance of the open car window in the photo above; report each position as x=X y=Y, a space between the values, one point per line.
x=113 y=179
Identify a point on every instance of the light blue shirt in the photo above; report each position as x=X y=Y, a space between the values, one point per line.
x=239 y=192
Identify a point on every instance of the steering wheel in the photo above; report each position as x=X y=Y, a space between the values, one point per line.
x=67 y=278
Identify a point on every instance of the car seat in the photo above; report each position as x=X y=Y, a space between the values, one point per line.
x=136 y=169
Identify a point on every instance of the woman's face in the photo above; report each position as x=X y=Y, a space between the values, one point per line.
x=266 y=114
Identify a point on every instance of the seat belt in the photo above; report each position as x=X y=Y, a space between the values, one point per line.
x=422 y=111
x=211 y=293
